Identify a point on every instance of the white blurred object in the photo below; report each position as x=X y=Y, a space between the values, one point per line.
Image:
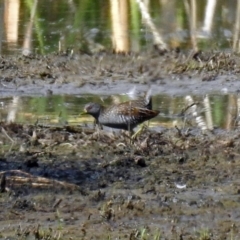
x=13 y=110
x=209 y=13
x=180 y=186
x=224 y=90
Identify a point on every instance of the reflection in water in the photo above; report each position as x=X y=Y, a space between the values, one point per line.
x=12 y=109
x=187 y=111
x=208 y=112
x=123 y=25
x=195 y=115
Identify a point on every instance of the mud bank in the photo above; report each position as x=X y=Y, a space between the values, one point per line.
x=105 y=73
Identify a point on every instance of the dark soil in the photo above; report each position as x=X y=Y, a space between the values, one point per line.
x=77 y=183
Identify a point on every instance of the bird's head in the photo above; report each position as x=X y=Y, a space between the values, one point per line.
x=92 y=109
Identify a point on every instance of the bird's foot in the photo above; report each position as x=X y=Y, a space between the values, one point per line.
x=138 y=132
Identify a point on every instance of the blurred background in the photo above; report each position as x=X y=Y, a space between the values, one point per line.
x=44 y=26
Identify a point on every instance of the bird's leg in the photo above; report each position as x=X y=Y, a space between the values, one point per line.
x=139 y=131
x=141 y=128
x=94 y=123
x=99 y=127
x=148 y=123
x=130 y=131
x=129 y=124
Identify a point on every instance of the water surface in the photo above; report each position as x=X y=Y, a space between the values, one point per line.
x=214 y=110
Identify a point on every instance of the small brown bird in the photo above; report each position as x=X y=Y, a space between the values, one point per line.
x=126 y=115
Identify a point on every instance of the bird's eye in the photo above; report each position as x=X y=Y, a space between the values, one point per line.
x=89 y=108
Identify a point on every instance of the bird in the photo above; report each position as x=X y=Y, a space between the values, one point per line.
x=126 y=115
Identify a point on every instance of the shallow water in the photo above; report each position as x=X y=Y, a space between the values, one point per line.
x=214 y=110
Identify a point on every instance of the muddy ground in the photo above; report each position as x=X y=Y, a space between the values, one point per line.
x=104 y=73
x=71 y=182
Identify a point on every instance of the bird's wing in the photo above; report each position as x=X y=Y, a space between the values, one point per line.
x=137 y=113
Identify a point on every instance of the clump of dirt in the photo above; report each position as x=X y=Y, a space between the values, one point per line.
x=77 y=183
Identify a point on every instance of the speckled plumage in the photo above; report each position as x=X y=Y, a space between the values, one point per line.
x=126 y=115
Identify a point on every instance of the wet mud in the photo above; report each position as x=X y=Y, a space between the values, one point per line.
x=104 y=73
x=74 y=182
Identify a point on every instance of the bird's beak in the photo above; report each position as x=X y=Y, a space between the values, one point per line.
x=84 y=112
